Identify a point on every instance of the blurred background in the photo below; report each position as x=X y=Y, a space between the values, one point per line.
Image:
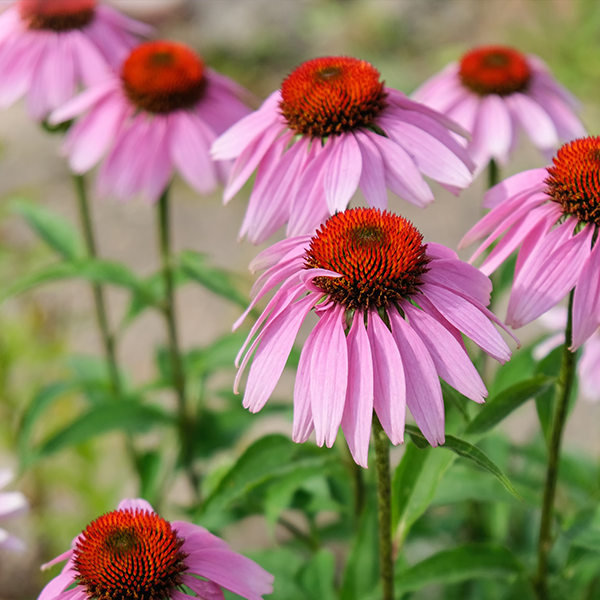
x=256 y=42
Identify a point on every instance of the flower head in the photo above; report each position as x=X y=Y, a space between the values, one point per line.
x=333 y=127
x=493 y=91
x=588 y=367
x=49 y=48
x=132 y=553
x=11 y=504
x=161 y=113
x=554 y=215
x=391 y=311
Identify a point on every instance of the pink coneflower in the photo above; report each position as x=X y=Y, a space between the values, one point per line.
x=133 y=553
x=588 y=367
x=495 y=91
x=160 y=114
x=11 y=504
x=48 y=48
x=553 y=214
x=391 y=311
x=334 y=127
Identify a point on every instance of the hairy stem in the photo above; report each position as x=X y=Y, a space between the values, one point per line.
x=186 y=423
x=564 y=387
x=384 y=501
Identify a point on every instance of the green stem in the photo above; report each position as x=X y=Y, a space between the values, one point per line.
x=108 y=339
x=563 y=391
x=384 y=502
x=493 y=174
x=186 y=424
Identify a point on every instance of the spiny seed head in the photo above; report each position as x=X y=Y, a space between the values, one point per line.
x=494 y=70
x=129 y=555
x=163 y=76
x=574 y=179
x=380 y=257
x=328 y=96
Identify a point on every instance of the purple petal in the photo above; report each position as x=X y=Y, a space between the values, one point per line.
x=528 y=181
x=586 y=302
x=83 y=102
x=534 y=120
x=358 y=409
x=492 y=135
x=342 y=171
x=461 y=277
x=372 y=177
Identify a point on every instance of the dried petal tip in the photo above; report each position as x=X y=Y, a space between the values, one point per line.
x=129 y=555
x=380 y=257
x=163 y=76
x=57 y=15
x=327 y=96
x=574 y=179
x=494 y=70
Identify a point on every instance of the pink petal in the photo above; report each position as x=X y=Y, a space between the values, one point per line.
x=449 y=357
x=460 y=277
x=135 y=504
x=389 y=390
x=534 y=120
x=423 y=391
x=342 y=171
x=358 y=409
x=528 y=181
x=492 y=136
x=303 y=424
x=329 y=380
x=442 y=90
x=586 y=302
x=205 y=590
x=91 y=67
x=372 y=177
x=567 y=124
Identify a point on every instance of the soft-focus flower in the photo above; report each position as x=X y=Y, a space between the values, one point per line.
x=48 y=48
x=391 y=311
x=161 y=113
x=11 y=504
x=553 y=215
x=588 y=367
x=131 y=553
x=334 y=127
x=495 y=91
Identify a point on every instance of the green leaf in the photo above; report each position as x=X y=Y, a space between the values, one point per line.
x=127 y=416
x=58 y=233
x=466 y=450
x=149 y=468
x=471 y=561
x=585 y=530
x=218 y=355
x=220 y=282
x=544 y=403
x=317 y=576
x=499 y=407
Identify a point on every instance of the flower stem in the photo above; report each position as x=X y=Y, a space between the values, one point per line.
x=384 y=501
x=108 y=339
x=493 y=174
x=564 y=386
x=186 y=424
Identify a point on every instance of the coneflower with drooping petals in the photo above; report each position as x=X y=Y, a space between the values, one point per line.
x=332 y=128
x=493 y=92
x=49 y=48
x=132 y=553
x=11 y=504
x=391 y=311
x=553 y=215
x=160 y=114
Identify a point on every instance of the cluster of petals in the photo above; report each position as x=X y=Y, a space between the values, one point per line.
x=139 y=151
x=352 y=364
x=211 y=566
x=544 y=110
x=48 y=67
x=588 y=366
x=556 y=252
x=303 y=179
x=11 y=504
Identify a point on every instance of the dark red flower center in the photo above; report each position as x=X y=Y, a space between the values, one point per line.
x=129 y=555
x=57 y=15
x=380 y=257
x=574 y=179
x=494 y=70
x=327 y=96
x=163 y=76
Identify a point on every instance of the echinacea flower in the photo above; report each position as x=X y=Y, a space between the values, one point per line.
x=161 y=113
x=132 y=552
x=11 y=504
x=48 y=48
x=391 y=311
x=553 y=215
x=334 y=127
x=495 y=91
x=588 y=366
